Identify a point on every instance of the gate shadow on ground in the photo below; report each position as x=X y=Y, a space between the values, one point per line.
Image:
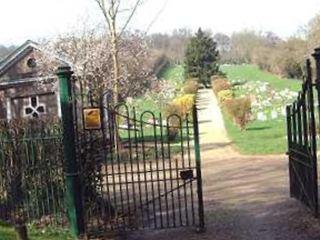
x=246 y=198
x=201 y=108
x=257 y=128
x=212 y=146
x=205 y=121
x=280 y=221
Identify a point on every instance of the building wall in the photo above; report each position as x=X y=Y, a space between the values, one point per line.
x=19 y=89
x=17 y=99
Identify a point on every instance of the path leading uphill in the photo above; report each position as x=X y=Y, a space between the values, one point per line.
x=246 y=197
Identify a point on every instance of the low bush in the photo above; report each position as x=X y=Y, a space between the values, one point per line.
x=173 y=108
x=191 y=86
x=180 y=106
x=239 y=109
x=293 y=69
x=225 y=95
x=183 y=104
x=220 y=84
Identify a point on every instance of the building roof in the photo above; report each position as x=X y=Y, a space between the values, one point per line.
x=19 y=53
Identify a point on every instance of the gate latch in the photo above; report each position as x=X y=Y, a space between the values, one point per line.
x=186 y=175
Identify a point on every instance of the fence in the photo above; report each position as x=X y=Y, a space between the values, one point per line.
x=31 y=172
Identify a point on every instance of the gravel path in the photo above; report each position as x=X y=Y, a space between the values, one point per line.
x=246 y=197
x=212 y=128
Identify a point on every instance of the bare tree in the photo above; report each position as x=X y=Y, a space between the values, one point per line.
x=111 y=9
x=90 y=56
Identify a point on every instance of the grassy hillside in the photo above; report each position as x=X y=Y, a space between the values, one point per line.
x=253 y=73
x=174 y=74
x=267 y=136
x=156 y=100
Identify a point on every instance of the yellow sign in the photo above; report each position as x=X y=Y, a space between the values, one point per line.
x=92 y=118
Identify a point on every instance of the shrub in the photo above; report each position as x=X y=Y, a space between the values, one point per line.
x=180 y=106
x=293 y=69
x=219 y=75
x=173 y=108
x=225 y=95
x=191 y=86
x=173 y=133
x=239 y=109
x=184 y=104
x=220 y=84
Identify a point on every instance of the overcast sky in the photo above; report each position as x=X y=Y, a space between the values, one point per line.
x=33 y=19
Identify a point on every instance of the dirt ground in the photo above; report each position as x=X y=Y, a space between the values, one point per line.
x=245 y=197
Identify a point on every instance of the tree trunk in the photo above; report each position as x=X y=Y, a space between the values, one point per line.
x=115 y=58
x=22 y=232
x=116 y=73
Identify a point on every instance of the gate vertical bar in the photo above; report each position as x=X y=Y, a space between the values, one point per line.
x=198 y=167
x=316 y=56
x=73 y=192
x=289 y=139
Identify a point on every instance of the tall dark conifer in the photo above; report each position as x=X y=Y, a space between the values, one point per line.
x=201 y=58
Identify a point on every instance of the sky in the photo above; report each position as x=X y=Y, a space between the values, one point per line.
x=35 y=19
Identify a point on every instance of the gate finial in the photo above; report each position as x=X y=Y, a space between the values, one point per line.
x=316 y=54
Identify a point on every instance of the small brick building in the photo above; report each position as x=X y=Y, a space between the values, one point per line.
x=24 y=92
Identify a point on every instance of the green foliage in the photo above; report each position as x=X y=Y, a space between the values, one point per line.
x=191 y=86
x=201 y=57
x=225 y=95
x=8 y=233
x=220 y=84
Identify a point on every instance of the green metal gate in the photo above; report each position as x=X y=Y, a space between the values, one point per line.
x=138 y=169
x=134 y=170
x=302 y=124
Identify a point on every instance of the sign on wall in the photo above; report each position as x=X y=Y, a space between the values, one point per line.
x=92 y=118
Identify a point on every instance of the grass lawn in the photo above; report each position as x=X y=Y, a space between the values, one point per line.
x=267 y=137
x=173 y=74
x=253 y=73
x=7 y=233
x=261 y=137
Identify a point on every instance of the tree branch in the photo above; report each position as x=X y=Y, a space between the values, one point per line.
x=130 y=17
x=157 y=16
x=102 y=6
